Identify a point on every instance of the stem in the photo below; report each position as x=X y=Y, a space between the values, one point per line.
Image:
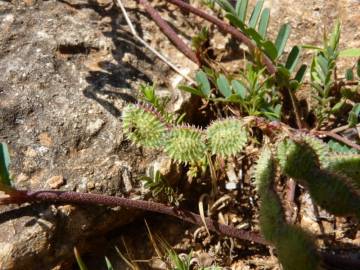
x=226 y=28
x=22 y=196
x=337 y=137
x=169 y=32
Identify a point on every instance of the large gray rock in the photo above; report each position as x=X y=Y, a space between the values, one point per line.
x=66 y=71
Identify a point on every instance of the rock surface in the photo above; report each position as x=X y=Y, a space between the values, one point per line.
x=66 y=71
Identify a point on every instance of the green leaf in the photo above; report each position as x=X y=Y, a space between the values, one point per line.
x=225 y=5
x=202 y=80
x=301 y=73
x=282 y=38
x=337 y=107
x=335 y=36
x=311 y=47
x=223 y=86
x=234 y=98
x=352 y=52
x=4 y=165
x=236 y=21
x=293 y=58
x=79 y=261
x=354 y=115
x=264 y=22
x=324 y=63
x=191 y=90
x=250 y=32
x=239 y=88
x=269 y=49
x=349 y=74
x=255 y=14
x=241 y=8
x=358 y=68
x=108 y=264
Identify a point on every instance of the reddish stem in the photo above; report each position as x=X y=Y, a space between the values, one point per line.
x=170 y=33
x=21 y=196
x=226 y=28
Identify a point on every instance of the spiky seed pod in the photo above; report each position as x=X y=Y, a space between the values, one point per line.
x=296 y=249
x=331 y=191
x=271 y=214
x=142 y=125
x=264 y=171
x=226 y=137
x=301 y=163
x=186 y=144
x=348 y=165
x=321 y=149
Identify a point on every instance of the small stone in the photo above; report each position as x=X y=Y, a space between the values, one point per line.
x=30 y=152
x=45 y=139
x=22 y=177
x=55 y=181
x=90 y=185
x=95 y=126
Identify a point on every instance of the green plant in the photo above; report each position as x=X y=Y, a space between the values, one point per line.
x=261 y=90
x=183 y=143
x=160 y=189
x=333 y=183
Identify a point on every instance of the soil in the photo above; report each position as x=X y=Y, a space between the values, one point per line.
x=67 y=68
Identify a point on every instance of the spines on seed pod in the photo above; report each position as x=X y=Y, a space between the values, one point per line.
x=143 y=126
x=321 y=149
x=295 y=248
x=348 y=165
x=186 y=144
x=226 y=137
x=271 y=213
x=332 y=191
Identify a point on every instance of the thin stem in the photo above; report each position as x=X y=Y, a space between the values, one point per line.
x=135 y=34
x=169 y=32
x=337 y=137
x=226 y=28
x=22 y=196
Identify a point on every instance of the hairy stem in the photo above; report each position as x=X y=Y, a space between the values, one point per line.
x=23 y=196
x=169 y=32
x=226 y=28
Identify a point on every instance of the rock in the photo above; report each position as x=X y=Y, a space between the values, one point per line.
x=60 y=118
x=55 y=181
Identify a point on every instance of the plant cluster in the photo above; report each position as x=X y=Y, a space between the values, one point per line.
x=263 y=87
x=333 y=182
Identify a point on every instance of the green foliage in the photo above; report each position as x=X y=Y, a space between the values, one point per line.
x=160 y=188
x=249 y=90
x=184 y=144
x=79 y=261
x=349 y=165
x=324 y=79
x=295 y=247
x=331 y=95
x=143 y=126
x=148 y=95
x=226 y=137
x=5 y=180
x=332 y=191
